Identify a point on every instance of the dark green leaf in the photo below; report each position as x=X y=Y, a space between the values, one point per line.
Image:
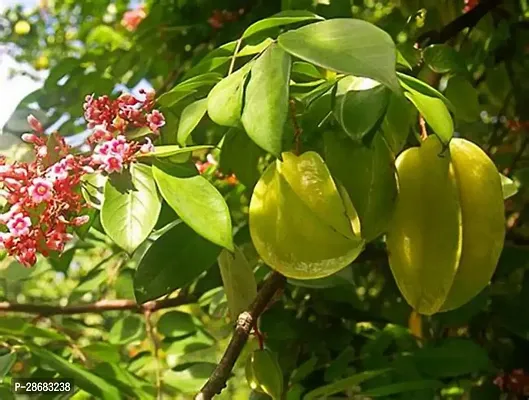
x=464 y=97
x=403 y=387
x=442 y=58
x=101 y=351
x=343 y=384
x=6 y=362
x=173 y=261
x=360 y=105
x=397 y=123
x=127 y=330
x=176 y=324
x=83 y=378
x=173 y=150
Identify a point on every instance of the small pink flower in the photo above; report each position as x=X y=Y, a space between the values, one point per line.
x=29 y=137
x=15 y=209
x=19 y=224
x=132 y=18
x=119 y=145
x=112 y=163
x=148 y=147
x=58 y=171
x=81 y=220
x=4 y=237
x=35 y=124
x=156 y=120
x=43 y=151
x=41 y=190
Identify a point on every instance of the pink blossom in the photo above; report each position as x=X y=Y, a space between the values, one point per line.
x=29 y=137
x=35 y=124
x=58 y=171
x=132 y=18
x=41 y=190
x=19 y=224
x=156 y=120
x=81 y=220
x=147 y=147
x=112 y=163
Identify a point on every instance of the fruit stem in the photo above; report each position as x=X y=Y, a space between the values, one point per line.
x=422 y=124
x=297 y=129
x=258 y=334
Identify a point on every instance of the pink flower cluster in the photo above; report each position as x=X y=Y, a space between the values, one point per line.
x=43 y=200
x=132 y=18
x=42 y=197
x=110 y=119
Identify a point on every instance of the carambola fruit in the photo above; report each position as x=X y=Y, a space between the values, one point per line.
x=302 y=223
x=448 y=228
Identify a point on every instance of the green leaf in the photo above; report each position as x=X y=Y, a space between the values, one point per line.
x=176 y=324
x=239 y=155
x=360 y=105
x=190 y=118
x=18 y=327
x=104 y=35
x=280 y=19
x=93 y=188
x=189 y=87
x=6 y=362
x=238 y=281
x=452 y=357
x=173 y=150
x=403 y=387
x=304 y=370
x=101 y=351
x=343 y=384
x=435 y=114
x=191 y=379
x=83 y=378
x=508 y=186
x=198 y=203
x=173 y=261
x=413 y=84
x=131 y=207
x=464 y=97
x=127 y=330
x=305 y=71
x=442 y=58
x=266 y=101
x=349 y=46
x=368 y=176
x=397 y=123
x=226 y=98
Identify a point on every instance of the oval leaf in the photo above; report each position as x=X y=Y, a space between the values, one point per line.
x=225 y=99
x=266 y=100
x=127 y=330
x=238 y=281
x=131 y=207
x=397 y=123
x=359 y=111
x=83 y=378
x=280 y=19
x=198 y=203
x=173 y=150
x=435 y=113
x=173 y=261
x=442 y=58
x=349 y=46
x=176 y=324
x=190 y=118
x=464 y=97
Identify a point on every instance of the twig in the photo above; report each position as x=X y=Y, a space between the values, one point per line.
x=234 y=57
x=297 y=129
x=97 y=307
x=467 y=20
x=152 y=336
x=422 y=124
x=217 y=380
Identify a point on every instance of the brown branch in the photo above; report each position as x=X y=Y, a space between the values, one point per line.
x=97 y=307
x=217 y=380
x=467 y=20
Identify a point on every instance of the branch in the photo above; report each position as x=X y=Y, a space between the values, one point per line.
x=217 y=380
x=467 y=20
x=97 y=307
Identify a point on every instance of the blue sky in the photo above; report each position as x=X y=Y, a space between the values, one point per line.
x=13 y=90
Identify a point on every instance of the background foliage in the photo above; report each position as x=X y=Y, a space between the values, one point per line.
x=324 y=331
